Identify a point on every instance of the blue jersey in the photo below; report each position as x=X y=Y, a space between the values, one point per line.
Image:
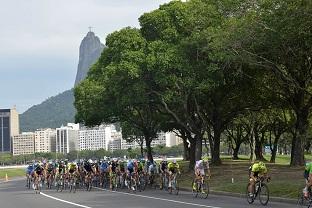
x=130 y=165
x=104 y=166
x=29 y=169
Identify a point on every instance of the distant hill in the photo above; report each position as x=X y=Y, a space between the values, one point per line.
x=51 y=113
x=58 y=110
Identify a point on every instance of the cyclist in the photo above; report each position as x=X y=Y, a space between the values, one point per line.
x=199 y=168
x=104 y=171
x=71 y=168
x=38 y=172
x=113 y=172
x=258 y=169
x=49 y=171
x=308 y=178
x=29 y=172
x=131 y=169
x=164 y=172
x=174 y=169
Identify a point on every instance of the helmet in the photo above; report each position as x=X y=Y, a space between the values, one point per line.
x=205 y=158
x=90 y=161
x=261 y=164
x=174 y=161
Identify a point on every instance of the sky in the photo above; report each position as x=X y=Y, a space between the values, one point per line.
x=40 y=39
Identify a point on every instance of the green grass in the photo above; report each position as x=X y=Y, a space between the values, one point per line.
x=12 y=172
x=286 y=181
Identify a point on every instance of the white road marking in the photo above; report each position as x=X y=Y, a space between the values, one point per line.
x=156 y=198
x=61 y=200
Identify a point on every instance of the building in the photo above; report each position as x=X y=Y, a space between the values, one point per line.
x=45 y=140
x=67 y=138
x=92 y=138
x=9 y=127
x=160 y=140
x=114 y=144
x=24 y=143
x=172 y=139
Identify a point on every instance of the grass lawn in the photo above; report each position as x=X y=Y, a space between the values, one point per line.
x=285 y=181
x=12 y=172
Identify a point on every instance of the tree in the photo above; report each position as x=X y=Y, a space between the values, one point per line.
x=275 y=35
x=119 y=84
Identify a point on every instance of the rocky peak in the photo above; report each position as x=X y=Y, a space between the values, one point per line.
x=89 y=52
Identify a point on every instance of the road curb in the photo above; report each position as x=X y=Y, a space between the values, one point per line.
x=240 y=195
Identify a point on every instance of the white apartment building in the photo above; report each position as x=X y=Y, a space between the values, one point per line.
x=45 y=140
x=167 y=139
x=114 y=144
x=24 y=143
x=67 y=138
x=92 y=138
x=172 y=139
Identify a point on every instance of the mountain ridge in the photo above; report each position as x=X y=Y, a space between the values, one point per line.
x=59 y=109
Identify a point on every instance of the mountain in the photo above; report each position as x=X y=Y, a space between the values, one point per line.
x=89 y=51
x=52 y=113
x=59 y=109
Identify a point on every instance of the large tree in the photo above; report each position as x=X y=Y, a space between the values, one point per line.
x=275 y=35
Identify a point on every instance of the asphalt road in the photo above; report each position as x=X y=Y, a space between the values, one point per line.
x=13 y=194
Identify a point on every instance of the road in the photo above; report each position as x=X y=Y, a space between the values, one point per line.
x=13 y=194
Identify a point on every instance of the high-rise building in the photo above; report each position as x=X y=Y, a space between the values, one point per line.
x=92 y=138
x=9 y=126
x=45 y=140
x=67 y=138
x=172 y=139
x=24 y=143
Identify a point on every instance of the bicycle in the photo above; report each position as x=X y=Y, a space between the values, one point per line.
x=131 y=182
x=305 y=201
x=173 y=186
x=261 y=189
x=28 y=180
x=72 y=182
x=37 y=184
x=164 y=181
x=142 y=181
x=88 y=181
x=200 y=187
x=60 y=182
x=113 y=181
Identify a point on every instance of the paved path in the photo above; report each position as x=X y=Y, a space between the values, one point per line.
x=13 y=194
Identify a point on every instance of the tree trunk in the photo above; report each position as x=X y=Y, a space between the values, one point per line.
x=274 y=149
x=192 y=153
x=149 y=148
x=141 y=146
x=297 y=149
x=186 y=148
x=198 y=150
x=215 y=147
x=258 y=145
x=235 y=151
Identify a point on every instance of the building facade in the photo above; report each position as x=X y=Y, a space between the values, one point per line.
x=9 y=127
x=92 y=138
x=67 y=138
x=24 y=143
x=45 y=140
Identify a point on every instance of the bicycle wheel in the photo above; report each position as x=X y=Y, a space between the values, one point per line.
x=176 y=187
x=264 y=194
x=250 y=199
x=204 y=190
x=194 y=188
